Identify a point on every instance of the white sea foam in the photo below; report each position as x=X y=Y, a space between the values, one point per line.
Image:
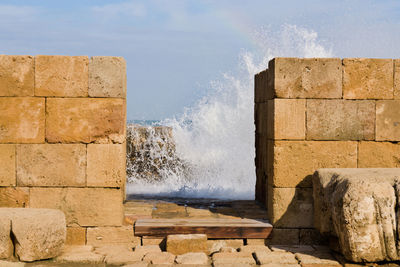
x=215 y=137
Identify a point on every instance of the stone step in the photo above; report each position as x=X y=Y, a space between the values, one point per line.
x=213 y=228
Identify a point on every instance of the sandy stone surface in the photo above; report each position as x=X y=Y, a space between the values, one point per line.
x=86 y=120
x=340 y=119
x=181 y=244
x=119 y=254
x=275 y=257
x=107 y=77
x=192 y=258
x=80 y=254
x=388 y=120
x=378 y=155
x=286 y=119
x=283 y=237
x=6 y=245
x=306 y=78
x=365 y=78
x=292 y=207
x=51 y=165
x=82 y=206
x=112 y=235
x=159 y=258
x=22 y=120
x=296 y=161
x=14 y=197
x=216 y=245
x=40 y=233
x=63 y=76
x=262 y=92
x=147 y=249
x=233 y=258
x=254 y=248
x=106 y=166
x=76 y=236
x=16 y=75
x=7 y=161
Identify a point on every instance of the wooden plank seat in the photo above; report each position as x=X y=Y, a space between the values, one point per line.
x=213 y=228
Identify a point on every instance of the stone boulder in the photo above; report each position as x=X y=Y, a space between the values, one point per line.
x=361 y=208
x=35 y=234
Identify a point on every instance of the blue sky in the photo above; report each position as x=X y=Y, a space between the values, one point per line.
x=174 y=48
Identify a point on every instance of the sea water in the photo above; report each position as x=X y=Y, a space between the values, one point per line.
x=215 y=137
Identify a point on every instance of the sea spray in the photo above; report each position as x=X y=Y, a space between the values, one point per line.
x=214 y=139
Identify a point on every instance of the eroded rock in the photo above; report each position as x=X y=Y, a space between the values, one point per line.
x=360 y=207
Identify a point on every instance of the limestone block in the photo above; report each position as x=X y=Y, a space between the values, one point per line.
x=22 y=120
x=275 y=257
x=86 y=120
x=317 y=258
x=306 y=77
x=261 y=90
x=359 y=206
x=79 y=255
x=106 y=165
x=16 y=75
x=51 y=165
x=40 y=233
x=149 y=240
x=388 y=120
x=233 y=258
x=216 y=245
x=76 y=236
x=286 y=119
x=192 y=258
x=159 y=258
x=147 y=249
x=112 y=235
x=63 y=76
x=257 y=241
x=14 y=197
x=283 y=237
x=181 y=244
x=7 y=163
x=117 y=255
x=295 y=161
x=82 y=206
x=292 y=207
x=6 y=245
x=261 y=118
x=365 y=78
x=254 y=248
x=340 y=120
x=311 y=237
x=397 y=79
x=378 y=155
x=107 y=77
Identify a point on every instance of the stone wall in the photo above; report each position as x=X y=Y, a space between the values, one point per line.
x=320 y=113
x=62 y=139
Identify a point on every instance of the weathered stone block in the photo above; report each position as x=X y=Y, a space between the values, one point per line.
x=76 y=236
x=286 y=119
x=295 y=161
x=80 y=255
x=181 y=244
x=388 y=120
x=22 y=120
x=216 y=245
x=378 y=155
x=51 y=165
x=292 y=207
x=16 y=75
x=283 y=237
x=365 y=78
x=275 y=257
x=39 y=233
x=161 y=258
x=306 y=78
x=87 y=120
x=14 y=197
x=107 y=77
x=6 y=245
x=261 y=90
x=7 y=163
x=82 y=206
x=261 y=117
x=199 y=258
x=311 y=237
x=117 y=255
x=106 y=165
x=359 y=206
x=64 y=76
x=340 y=120
x=397 y=79
x=112 y=235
